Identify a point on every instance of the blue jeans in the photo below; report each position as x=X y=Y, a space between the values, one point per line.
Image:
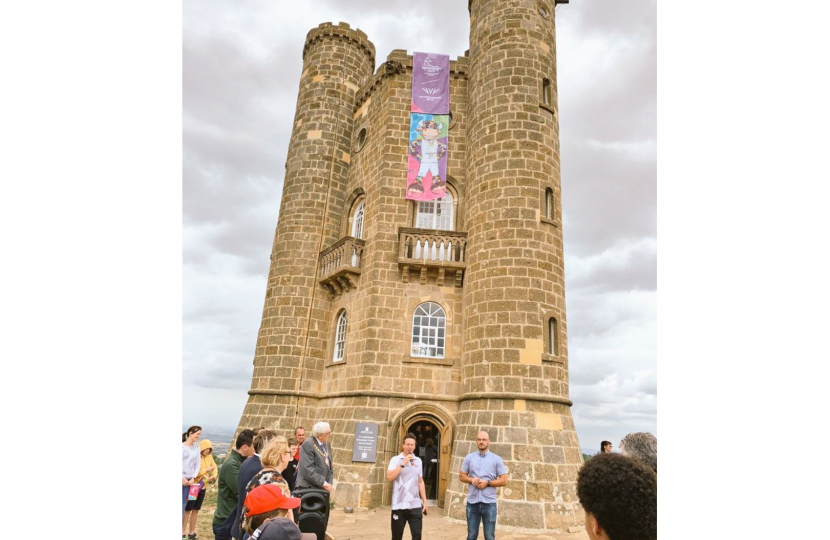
x=478 y=512
x=185 y=493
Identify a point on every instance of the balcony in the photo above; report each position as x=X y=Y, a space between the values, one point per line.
x=429 y=251
x=340 y=265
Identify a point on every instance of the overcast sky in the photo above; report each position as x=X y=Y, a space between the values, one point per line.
x=242 y=62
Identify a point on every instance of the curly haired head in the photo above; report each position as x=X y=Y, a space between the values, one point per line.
x=619 y=494
x=642 y=446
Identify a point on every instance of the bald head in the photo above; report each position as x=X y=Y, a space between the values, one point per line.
x=482 y=441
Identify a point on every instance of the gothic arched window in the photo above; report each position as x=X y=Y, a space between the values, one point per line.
x=429 y=327
x=357 y=219
x=340 y=336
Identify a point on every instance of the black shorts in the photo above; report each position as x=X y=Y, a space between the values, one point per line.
x=197 y=503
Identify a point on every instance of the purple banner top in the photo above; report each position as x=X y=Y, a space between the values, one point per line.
x=430 y=83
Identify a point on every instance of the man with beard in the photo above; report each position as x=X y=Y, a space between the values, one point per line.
x=409 y=499
x=484 y=471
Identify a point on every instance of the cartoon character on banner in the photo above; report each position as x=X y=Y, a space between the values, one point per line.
x=427 y=149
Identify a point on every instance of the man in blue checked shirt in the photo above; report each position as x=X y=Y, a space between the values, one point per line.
x=484 y=471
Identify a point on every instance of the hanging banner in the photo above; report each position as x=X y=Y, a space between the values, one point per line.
x=427 y=171
x=430 y=83
x=429 y=121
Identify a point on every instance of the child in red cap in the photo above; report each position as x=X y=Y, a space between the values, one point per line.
x=268 y=515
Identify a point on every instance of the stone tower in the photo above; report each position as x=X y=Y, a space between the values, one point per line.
x=514 y=379
x=435 y=318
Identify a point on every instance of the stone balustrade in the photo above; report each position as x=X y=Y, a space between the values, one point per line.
x=340 y=265
x=426 y=249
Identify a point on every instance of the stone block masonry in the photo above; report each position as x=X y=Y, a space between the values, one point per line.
x=504 y=363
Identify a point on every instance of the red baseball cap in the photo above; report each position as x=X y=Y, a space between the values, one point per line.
x=268 y=497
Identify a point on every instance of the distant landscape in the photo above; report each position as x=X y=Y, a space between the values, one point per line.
x=221 y=440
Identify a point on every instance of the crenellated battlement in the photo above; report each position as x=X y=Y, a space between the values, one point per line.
x=341 y=31
x=398 y=62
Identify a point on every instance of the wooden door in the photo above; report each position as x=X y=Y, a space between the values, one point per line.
x=444 y=461
x=444 y=452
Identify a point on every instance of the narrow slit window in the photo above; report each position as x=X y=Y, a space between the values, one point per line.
x=547 y=98
x=553 y=337
x=549 y=203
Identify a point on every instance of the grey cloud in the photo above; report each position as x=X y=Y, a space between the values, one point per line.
x=625 y=266
x=608 y=315
x=223 y=372
x=241 y=67
x=396 y=25
x=591 y=374
x=605 y=198
x=610 y=20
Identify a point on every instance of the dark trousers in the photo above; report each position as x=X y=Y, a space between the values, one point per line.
x=220 y=532
x=399 y=519
x=223 y=531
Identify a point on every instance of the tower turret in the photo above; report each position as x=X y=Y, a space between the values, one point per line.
x=515 y=362
x=291 y=341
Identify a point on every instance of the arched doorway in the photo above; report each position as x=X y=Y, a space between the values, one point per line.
x=430 y=423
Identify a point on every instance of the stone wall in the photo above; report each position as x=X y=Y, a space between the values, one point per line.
x=497 y=372
x=512 y=383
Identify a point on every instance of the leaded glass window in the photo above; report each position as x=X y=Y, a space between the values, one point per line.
x=357 y=220
x=436 y=214
x=429 y=327
x=340 y=337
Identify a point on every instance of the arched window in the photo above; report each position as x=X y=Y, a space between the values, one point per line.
x=436 y=214
x=340 y=336
x=357 y=219
x=549 y=203
x=553 y=337
x=429 y=327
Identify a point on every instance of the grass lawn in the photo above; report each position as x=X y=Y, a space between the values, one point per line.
x=204 y=522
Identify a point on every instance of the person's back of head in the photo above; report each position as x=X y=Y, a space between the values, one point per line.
x=266 y=502
x=245 y=438
x=262 y=438
x=619 y=495
x=642 y=446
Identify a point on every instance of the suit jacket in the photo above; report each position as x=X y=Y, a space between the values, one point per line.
x=312 y=470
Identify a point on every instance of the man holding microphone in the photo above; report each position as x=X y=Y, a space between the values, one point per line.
x=409 y=500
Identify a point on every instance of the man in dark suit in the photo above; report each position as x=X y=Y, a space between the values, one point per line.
x=315 y=469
